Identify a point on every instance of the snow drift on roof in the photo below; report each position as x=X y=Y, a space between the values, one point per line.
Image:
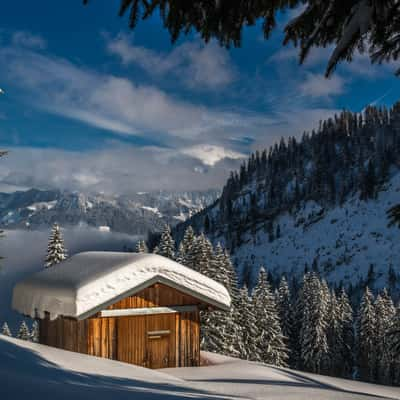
x=90 y=281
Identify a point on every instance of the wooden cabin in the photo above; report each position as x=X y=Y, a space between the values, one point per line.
x=141 y=309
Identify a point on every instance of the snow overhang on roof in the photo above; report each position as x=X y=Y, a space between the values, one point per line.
x=88 y=282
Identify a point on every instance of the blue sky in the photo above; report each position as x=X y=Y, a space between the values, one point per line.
x=91 y=105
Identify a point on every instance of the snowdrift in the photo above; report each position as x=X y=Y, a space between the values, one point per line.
x=32 y=371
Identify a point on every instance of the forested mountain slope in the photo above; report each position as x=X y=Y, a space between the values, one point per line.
x=320 y=202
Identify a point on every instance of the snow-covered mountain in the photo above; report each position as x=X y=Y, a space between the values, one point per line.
x=319 y=203
x=137 y=214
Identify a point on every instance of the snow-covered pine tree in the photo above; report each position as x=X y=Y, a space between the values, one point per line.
x=141 y=247
x=385 y=312
x=180 y=255
x=187 y=247
x=5 y=330
x=56 y=251
x=233 y=338
x=340 y=336
x=345 y=354
x=284 y=306
x=202 y=254
x=23 y=332
x=34 y=336
x=314 y=324
x=166 y=247
x=295 y=360
x=393 y=349
x=248 y=346
x=366 y=337
x=334 y=336
x=214 y=323
x=270 y=340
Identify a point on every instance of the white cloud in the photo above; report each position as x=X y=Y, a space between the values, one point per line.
x=110 y=102
x=118 y=169
x=197 y=65
x=210 y=154
x=316 y=85
x=199 y=151
x=27 y=39
x=316 y=57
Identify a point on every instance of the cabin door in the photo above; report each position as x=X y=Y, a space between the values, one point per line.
x=161 y=344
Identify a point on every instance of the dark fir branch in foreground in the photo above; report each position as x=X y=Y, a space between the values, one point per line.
x=350 y=26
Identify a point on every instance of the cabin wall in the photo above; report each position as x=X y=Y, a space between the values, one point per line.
x=153 y=341
x=157 y=295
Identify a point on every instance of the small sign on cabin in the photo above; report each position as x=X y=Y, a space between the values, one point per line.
x=142 y=309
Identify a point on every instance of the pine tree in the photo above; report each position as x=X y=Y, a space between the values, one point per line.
x=393 y=349
x=187 y=247
x=5 y=330
x=233 y=328
x=284 y=307
x=248 y=346
x=34 y=336
x=385 y=313
x=166 y=247
x=23 y=332
x=334 y=336
x=214 y=323
x=345 y=356
x=56 y=251
x=180 y=254
x=340 y=336
x=366 y=337
x=202 y=255
x=141 y=247
x=270 y=340
x=314 y=324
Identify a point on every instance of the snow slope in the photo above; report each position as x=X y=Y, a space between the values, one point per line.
x=344 y=240
x=32 y=371
x=233 y=377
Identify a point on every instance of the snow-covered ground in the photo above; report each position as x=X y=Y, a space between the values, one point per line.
x=32 y=371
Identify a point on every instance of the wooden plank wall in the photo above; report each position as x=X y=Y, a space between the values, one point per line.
x=157 y=295
x=64 y=333
x=189 y=339
x=126 y=338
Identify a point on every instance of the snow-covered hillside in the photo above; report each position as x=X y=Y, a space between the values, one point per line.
x=343 y=241
x=32 y=371
x=320 y=202
x=136 y=214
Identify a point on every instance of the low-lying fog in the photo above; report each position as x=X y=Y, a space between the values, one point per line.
x=24 y=252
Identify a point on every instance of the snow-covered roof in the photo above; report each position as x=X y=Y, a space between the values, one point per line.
x=88 y=282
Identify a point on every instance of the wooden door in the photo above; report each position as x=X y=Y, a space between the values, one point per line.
x=160 y=341
x=158 y=352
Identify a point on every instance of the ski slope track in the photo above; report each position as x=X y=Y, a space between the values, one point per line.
x=33 y=371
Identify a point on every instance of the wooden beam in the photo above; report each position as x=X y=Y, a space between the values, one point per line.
x=159 y=333
x=146 y=311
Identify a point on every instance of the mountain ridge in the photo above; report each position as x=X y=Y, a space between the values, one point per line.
x=137 y=214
